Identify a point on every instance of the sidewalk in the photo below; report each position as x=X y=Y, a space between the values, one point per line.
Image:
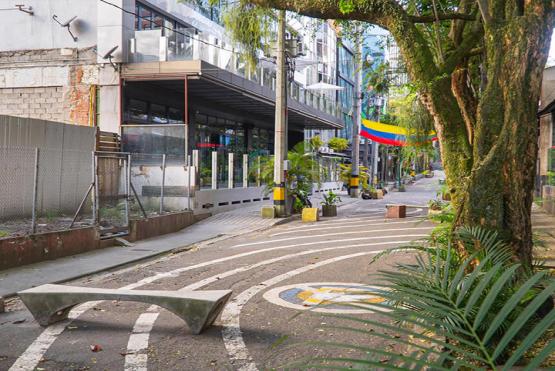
x=220 y=226
x=223 y=225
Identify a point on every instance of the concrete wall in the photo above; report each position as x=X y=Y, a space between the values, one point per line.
x=40 y=31
x=544 y=144
x=46 y=75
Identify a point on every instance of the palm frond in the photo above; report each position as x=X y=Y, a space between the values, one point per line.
x=476 y=312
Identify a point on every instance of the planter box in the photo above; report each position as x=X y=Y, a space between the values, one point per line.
x=396 y=211
x=329 y=210
x=35 y=248
x=140 y=229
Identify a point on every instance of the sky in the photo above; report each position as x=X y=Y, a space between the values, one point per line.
x=551 y=59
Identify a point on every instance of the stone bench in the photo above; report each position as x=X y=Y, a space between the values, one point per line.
x=52 y=303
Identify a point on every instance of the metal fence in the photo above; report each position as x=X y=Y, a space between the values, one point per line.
x=40 y=188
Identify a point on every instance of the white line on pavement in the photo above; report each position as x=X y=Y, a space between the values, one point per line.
x=345 y=221
x=31 y=357
x=133 y=364
x=340 y=226
x=232 y=334
x=328 y=235
x=135 y=359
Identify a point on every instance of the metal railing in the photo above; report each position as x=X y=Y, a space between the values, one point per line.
x=150 y=45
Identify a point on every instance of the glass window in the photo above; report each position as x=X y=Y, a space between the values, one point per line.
x=158 y=114
x=175 y=116
x=154 y=140
x=137 y=110
x=157 y=20
x=146 y=17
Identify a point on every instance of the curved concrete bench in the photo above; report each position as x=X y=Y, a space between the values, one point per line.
x=52 y=303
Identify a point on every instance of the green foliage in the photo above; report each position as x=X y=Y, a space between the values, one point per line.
x=4 y=233
x=331 y=199
x=345 y=171
x=316 y=142
x=456 y=311
x=377 y=79
x=303 y=171
x=338 y=144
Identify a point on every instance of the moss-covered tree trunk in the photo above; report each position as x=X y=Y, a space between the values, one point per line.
x=487 y=130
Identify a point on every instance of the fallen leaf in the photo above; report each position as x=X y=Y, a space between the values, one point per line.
x=95 y=348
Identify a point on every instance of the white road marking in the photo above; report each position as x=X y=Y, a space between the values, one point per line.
x=231 y=333
x=347 y=222
x=136 y=358
x=131 y=363
x=341 y=226
x=34 y=353
x=328 y=235
x=31 y=357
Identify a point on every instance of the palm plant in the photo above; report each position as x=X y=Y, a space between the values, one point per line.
x=304 y=170
x=477 y=310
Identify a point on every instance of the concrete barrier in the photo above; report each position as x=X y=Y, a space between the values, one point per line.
x=140 y=229
x=17 y=251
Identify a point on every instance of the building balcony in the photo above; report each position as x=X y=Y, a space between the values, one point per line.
x=150 y=46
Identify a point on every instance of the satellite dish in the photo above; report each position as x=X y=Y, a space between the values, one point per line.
x=109 y=53
x=66 y=24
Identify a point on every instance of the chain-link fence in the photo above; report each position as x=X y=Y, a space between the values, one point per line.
x=41 y=188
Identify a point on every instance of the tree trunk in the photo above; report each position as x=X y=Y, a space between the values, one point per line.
x=497 y=192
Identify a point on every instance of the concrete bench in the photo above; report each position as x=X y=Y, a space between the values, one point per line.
x=52 y=303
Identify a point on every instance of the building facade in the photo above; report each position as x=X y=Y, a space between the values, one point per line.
x=162 y=74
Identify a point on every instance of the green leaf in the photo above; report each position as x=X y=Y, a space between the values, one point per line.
x=528 y=312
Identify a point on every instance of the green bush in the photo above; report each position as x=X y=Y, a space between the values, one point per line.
x=338 y=144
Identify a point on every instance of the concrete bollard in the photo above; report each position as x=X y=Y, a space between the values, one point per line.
x=310 y=214
x=268 y=212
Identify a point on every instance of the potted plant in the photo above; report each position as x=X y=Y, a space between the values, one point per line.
x=436 y=206
x=329 y=205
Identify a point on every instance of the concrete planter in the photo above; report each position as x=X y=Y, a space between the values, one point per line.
x=35 y=248
x=140 y=229
x=329 y=210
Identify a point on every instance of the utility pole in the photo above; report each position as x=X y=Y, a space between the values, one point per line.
x=280 y=142
x=354 y=182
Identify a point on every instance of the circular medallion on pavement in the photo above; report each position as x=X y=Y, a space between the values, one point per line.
x=326 y=297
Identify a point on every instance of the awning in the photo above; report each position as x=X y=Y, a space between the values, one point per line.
x=224 y=88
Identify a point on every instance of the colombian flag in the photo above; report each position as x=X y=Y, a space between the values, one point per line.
x=387 y=134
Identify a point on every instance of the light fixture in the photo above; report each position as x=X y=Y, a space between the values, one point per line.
x=66 y=25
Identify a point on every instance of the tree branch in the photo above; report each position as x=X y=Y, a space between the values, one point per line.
x=441 y=17
x=465 y=49
x=388 y=14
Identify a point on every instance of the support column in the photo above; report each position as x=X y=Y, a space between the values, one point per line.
x=214 y=170
x=354 y=181
x=280 y=142
x=245 y=170
x=230 y=171
x=197 y=168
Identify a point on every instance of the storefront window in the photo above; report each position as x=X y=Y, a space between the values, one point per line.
x=137 y=110
x=169 y=140
x=158 y=114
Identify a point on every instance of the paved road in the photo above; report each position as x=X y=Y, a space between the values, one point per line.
x=278 y=277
